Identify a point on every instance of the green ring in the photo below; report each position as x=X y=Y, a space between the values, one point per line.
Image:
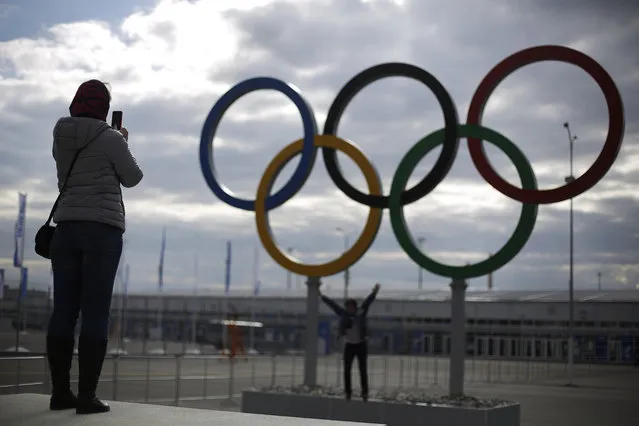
x=517 y=241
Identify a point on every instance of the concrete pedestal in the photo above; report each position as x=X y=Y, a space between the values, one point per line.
x=386 y=413
x=457 y=337
x=311 y=334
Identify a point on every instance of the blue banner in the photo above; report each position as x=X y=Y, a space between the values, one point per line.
x=18 y=253
x=589 y=346
x=324 y=333
x=24 y=278
x=601 y=347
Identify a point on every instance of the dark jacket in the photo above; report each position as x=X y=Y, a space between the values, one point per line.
x=346 y=319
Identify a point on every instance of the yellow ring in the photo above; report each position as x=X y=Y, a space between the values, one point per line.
x=366 y=238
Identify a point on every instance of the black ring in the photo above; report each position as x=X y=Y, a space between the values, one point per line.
x=449 y=146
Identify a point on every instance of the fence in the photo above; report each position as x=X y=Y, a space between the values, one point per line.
x=177 y=379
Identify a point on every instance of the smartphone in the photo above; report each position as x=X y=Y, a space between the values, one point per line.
x=116 y=120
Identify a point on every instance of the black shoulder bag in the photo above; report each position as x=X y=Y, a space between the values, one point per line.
x=45 y=233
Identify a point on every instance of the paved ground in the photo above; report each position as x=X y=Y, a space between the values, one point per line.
x=605 y=395
x=31 y=410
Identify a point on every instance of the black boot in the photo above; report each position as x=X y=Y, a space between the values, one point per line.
x=91 y=354
x=60 y=356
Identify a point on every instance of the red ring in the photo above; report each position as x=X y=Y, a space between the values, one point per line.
x=603 y=162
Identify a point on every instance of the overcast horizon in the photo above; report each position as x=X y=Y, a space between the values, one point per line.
x=169 y=61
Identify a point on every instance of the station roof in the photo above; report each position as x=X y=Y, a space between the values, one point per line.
x=525 y=296
x=443 y=295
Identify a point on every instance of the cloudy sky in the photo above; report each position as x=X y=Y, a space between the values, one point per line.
x=169 y=61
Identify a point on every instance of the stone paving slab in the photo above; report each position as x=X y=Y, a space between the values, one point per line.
x=32 y=410
x=558 y=405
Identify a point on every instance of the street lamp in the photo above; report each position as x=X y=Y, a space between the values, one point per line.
x=346 y=271
x=490 y=277
x=571 y=288
x=289 y=283
x=420 y=271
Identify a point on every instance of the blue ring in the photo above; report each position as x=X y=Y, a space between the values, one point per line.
x=303 y=170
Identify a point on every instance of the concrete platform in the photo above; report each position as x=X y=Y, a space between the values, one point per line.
x=33 y=410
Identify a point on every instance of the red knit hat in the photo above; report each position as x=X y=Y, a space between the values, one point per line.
x=91 y=100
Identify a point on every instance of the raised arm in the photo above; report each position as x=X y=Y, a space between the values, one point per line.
x=123 y=161
x=369 y=300
x=333 y=305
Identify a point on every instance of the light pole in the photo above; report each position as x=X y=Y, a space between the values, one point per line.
x=420 y=271
x=490 y=277
x=289 y=282
x=571 y=288
x=598 y=281
x=194 y=304
x=346 y=271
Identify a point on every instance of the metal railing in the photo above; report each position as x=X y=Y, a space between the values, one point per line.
x=176 y=379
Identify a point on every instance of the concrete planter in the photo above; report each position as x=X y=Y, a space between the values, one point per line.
x=387 y=413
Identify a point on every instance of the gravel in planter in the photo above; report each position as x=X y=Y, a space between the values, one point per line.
x=401 y=396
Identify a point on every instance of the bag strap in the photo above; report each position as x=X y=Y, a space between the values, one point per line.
x=66 y=179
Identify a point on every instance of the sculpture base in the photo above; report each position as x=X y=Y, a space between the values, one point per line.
x=377 y=411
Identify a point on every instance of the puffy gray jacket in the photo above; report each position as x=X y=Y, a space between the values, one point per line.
x=93 y=191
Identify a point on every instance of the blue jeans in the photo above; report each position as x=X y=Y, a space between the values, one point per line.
x=85 y=258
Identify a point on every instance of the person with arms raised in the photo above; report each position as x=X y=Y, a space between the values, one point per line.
x=353 y=328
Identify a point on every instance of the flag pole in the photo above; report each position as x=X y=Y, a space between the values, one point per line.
x=194 y=313
x=160 y=287
x=120 y=297
x=118 y=294
x=22 y=292
x=125 y=296
x=255 y=290
x=50 y=292
x=227 y=285
x=490 y=279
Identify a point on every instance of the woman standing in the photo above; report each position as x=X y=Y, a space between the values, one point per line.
x=354 y=330
x=87 y=243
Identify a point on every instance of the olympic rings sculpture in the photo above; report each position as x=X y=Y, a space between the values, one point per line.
x=529 y=195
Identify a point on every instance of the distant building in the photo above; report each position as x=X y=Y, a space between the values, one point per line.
x=504 y=324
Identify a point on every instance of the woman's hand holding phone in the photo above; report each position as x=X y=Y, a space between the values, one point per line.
x=116 y=123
